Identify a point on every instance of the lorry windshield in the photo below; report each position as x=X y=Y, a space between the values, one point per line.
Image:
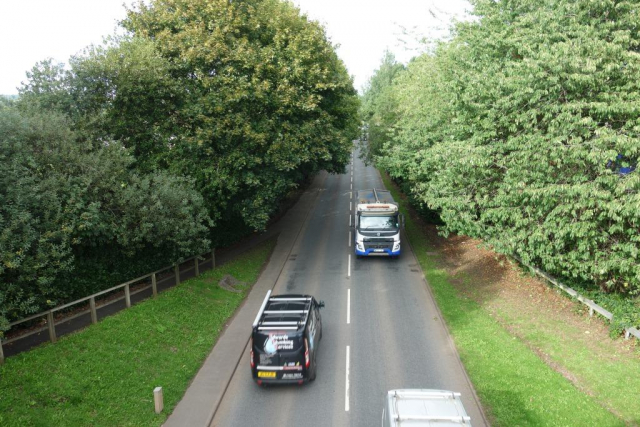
x=386 y=223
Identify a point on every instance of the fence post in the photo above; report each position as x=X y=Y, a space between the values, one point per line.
x=127 y=295
x=52 y=327
x=1 y=353
x=94 y=313
x=197 y=267
x=154 y=285
x=158 y=400
x=177 y=269
x=213 y=258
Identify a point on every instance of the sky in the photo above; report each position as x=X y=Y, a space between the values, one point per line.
x=33 y=30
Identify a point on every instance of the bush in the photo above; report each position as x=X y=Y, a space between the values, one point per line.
x=64 y=203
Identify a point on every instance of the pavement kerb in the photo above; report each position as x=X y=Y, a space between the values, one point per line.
x=202 y=398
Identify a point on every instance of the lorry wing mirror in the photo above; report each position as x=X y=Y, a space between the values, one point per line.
x=402 y=220
x=320 y=304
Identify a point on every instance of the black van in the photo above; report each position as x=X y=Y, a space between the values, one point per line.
x=285 y=339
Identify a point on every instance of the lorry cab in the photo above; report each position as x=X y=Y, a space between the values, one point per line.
x=424 y=407
x=377 y=225
x=285 y=338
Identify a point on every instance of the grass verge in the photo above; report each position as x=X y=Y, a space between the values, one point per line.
x=514 y=385
x=105 y=374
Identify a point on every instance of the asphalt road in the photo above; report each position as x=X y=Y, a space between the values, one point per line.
x=381 y=328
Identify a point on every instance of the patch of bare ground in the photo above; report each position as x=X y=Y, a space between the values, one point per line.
x=501 y=286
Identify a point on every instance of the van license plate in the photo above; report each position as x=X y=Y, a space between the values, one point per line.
x=296 y=376
x=263 y=374
x=378 y=250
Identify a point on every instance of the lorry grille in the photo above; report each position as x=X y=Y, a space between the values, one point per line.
x=378 y=243
x=376 y=246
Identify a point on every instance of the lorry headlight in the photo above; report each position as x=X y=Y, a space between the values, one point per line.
x=360 y=246
x=396 y=246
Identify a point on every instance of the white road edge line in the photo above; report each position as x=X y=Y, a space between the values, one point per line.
x=349 y=267
x=346 y=387
x=348 y=306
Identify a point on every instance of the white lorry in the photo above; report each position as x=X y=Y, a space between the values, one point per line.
x=424 y=408
x=377 y=224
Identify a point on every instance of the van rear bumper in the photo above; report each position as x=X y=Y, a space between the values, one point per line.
x=283 y=376
x=278 y=382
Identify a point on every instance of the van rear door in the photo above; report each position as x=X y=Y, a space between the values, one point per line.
x=277 y=352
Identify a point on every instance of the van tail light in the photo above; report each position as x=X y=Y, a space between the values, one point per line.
x=306 y=353
x=253 y=364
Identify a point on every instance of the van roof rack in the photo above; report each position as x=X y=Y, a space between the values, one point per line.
x=283 y=312
x=440 y=406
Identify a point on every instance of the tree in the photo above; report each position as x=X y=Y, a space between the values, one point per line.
x=125 y=91
x=266 y=100
x=46 y=88
x=379 y=106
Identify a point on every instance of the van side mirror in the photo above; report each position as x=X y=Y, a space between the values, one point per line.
x=320 y=304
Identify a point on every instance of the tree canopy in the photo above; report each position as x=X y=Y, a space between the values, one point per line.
x=267 y=101
x=523 y=130
x=380 y=109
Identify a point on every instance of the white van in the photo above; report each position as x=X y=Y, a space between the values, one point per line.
x=424 y=408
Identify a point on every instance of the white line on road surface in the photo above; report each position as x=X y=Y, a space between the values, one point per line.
x=349 y=239
x=349 y=220
x=349 y=267
x=348 y=306
x=346 y=387
x=351 y=186
x=349 y=206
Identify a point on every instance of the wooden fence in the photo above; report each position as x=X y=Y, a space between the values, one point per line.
x=49 y=314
